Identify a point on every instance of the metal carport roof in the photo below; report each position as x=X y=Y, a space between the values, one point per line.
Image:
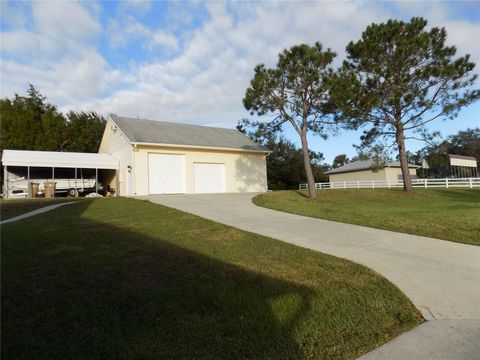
x=59 y=159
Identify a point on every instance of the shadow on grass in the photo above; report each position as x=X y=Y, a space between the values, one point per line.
x=303 y=193
x=83 y=289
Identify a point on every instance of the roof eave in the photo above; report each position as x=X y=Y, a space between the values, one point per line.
x=134 y=143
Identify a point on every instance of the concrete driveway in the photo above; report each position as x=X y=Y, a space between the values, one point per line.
x=441 y=278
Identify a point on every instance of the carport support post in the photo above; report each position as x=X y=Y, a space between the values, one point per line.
x=5 y=182
x=117 y=183
x=75 y=183
x=53 y=180
x=96 y=181
x=28 y=181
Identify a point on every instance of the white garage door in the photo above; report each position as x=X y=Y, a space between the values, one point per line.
x=209 y=178
x=166 y=174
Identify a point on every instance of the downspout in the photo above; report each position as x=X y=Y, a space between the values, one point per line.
x=135 y=149
x=266 y=168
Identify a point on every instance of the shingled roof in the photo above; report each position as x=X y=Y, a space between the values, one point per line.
x=364 y=165
x=169 y=133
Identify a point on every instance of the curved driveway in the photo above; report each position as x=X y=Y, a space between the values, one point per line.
x=441 y=278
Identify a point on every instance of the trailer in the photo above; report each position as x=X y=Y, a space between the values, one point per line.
x=18 y=186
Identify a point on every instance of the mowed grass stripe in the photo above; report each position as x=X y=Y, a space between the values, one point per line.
x=448 y=214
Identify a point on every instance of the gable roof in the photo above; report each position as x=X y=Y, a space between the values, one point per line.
x=365 y=165
x=144 y=131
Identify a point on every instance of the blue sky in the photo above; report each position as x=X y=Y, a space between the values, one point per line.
x=192 y=61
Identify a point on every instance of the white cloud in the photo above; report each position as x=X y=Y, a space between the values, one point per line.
x=209 y=67
x=57 y=28
x=163 y=39
x=139 y=6
x=56 y=55
x=124 y=31
x=207 y=81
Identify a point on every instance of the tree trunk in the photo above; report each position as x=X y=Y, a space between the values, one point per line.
x=407 y=181
x=312 y=192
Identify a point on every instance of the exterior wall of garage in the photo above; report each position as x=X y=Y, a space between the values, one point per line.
x=244 y=171
x=115 y=143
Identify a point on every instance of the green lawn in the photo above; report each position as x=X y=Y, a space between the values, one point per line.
x=124 y=278
x=12 y=208
x=449 y=214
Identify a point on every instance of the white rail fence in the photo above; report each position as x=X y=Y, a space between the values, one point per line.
x=379 y=184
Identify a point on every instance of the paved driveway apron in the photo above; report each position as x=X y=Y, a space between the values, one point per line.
x=441 y=278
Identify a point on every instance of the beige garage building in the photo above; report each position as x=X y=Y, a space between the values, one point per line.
x=169 y=158
x=363 y=170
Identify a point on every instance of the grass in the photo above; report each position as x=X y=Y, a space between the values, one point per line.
x=449 y=214
x=124 y=278
x=12 y=208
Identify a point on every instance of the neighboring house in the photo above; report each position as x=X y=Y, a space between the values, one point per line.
x=169 y=158
x=449 y=165
x=367 y=170
x=153 y=157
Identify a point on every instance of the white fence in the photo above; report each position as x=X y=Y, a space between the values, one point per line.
x=418 y=183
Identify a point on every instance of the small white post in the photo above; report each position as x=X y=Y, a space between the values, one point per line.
x=358 y=184
x=373 y=184
x=470 y=183
x=426 y=182
x=344 y=184
x=446 y=183
x=388 y=183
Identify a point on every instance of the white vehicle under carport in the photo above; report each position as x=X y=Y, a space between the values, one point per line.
x=18 y=187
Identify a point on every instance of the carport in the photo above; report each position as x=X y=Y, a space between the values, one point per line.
x=20 y=167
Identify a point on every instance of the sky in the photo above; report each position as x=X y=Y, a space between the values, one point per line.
x=191 y=61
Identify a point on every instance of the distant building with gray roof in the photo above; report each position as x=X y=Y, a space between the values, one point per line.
x=368 y=170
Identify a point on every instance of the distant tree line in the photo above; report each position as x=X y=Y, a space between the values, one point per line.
x=32 y=123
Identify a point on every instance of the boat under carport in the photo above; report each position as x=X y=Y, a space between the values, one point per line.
x=33 y=165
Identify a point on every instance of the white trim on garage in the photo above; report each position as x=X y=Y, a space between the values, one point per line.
x=209 y=177
x=166 y=173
